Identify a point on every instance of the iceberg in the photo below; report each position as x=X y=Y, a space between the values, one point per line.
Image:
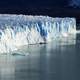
x=20 y=30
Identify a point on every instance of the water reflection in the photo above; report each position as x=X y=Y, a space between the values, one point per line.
x=53 y=61
x=7 y=68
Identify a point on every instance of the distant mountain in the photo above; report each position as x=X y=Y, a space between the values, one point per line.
x=74 y=3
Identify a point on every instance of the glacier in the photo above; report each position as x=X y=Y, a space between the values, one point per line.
x=20 y=30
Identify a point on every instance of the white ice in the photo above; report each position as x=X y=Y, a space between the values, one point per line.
x=20 y=30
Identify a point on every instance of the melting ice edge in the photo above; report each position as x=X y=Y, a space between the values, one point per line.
x=20 y=30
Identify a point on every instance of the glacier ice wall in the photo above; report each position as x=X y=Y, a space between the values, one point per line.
x=19 y=30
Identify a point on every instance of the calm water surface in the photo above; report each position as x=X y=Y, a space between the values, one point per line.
x=53 y=61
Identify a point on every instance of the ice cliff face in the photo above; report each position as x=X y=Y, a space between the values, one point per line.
x=19 y=30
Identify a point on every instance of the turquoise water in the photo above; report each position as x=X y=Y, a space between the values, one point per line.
x=58 y=60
